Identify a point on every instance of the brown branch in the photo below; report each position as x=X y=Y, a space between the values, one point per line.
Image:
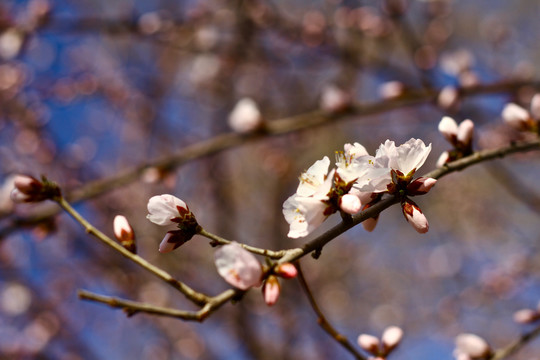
x=516 y=345
x=321 y=318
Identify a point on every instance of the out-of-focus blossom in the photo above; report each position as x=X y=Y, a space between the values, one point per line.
x=238 y=266
x=521 y=119
x=414 y=216
x=448 y=98
x=245 y=116
x=390 y=339
x=11 y=42
x=334 y=99
x=369 y=343
x=271 y=290
x=391 y=89
x=6 y=204
x=526 y=316
x=459 y=136
x=166 y=209
x=471 y=347
x=124 y=233
x=27 y=189
x=286 y=270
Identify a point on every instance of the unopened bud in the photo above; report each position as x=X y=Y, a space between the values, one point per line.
x=350 y=204
x=526 y=316
x=334 y=99
x=421 y=186
x=448 y=128
x=391 y=89
x=535 y=106
x=172 y=240
x=465 y=132
x=448 y=98
x=246 y=116
x=286 y=270
x=391 y=338
x=515 y=116
x=124 y=233
x=414 y=216
x=369 y=343
x=472 y=345
x=271 y=290
x=29 y=189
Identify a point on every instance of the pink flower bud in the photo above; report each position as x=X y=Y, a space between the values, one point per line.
x=391 y=338
x=515 y=116
x=525 y=316
x=124 y=233
x=246 y=116
x=334 y=99
x=286 y=270
x=472 y=346
x=172 y=240
x=166 y=209
x=271 y=290
x=238 y=266
x=448 y=128
x=414 y=216
x=465 y=132
x=369 y=343
x=350 y=204
x=27 y=189
x=421 y=186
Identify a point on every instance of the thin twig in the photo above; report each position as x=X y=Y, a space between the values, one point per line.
x=516 y=345
x=322 y=321
x=196 y=297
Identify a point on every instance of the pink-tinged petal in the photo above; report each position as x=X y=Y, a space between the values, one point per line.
x=163 y=208
x=166 y=245
x=238 y=266
x=391 y=338
x=465 y=132
x=369 y=343
x=421 y=186
x=245 y=117
x=443 y=159
x=174 y=239
x=355 y=150
x=415 y=217
x=350 y=204
x=472 y=345
x=271 y=290
x=370 y=224
x=515 y=116
x=27 y=189
x=122 y=228
x=286 y=270
x=535 y=106
x=448 y=128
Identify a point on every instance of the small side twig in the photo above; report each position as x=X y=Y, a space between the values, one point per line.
x=323 y=322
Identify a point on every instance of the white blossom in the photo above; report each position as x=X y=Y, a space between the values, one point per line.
x=238 y=266
x=246 y=116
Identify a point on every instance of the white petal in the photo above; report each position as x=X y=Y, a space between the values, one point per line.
x=410 y=155
x=465 y=131
x=313 y=177
x=350 y=204
x=163 y=208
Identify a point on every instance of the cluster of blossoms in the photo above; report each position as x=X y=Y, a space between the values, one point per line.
x=380 y=349
x=358 y=182
x=236 y=265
